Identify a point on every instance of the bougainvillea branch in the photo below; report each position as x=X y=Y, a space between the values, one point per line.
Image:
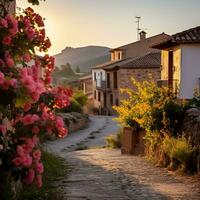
x=27 y=98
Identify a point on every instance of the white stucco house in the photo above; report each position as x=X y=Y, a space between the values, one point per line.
x=180 y=60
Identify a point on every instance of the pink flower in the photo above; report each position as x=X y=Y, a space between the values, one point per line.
x=7 y=40
x=27 y=161
x=40 y=168
x=59 y=122
x=30 y=33
x=5 y=85
x=62 y=133
x=26 y=22
x=13 y=82
x=35 y=96
x=3 y=129
x=31 y=88
x=13 y=31
x=35 y=130
x=20 y=151
x=30 y=177
x=27 y=120
x=30 y=119
x=17 y=161
x=27 y=57
x=1 y=62
x=1 y=78
x=27 y=107
x=37 y=155
x=30 y=142
x=4 y=23
x=39 y=20
x=9 y=62
x=39 y=181
x=45 y=116
x=27 y=80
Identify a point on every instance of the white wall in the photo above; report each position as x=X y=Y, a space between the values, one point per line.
x=100 y=76
x=190 y=70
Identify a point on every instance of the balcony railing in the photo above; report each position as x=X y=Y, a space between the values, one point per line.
x=102 y=85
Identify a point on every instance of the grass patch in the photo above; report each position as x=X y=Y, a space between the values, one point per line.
x=55 y=169
x=114 y=141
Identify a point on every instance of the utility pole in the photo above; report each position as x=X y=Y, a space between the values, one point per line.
x=138 y=26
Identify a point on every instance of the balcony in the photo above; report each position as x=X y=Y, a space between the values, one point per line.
x=102 y=85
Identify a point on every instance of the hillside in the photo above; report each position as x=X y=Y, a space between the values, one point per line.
x=84 y=57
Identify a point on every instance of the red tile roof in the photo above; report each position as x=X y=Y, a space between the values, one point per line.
x=144 y=44
x=151 y=60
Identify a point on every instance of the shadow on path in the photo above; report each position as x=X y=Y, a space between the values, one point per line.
x=106 y=175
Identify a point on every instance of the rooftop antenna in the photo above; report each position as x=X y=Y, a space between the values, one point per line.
x=138 y=18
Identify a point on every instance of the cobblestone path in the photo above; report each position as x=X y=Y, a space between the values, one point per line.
x=103 y=174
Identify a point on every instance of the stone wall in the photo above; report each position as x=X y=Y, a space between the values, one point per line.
x=75 y=121
x=191 y=125
x=140 y=75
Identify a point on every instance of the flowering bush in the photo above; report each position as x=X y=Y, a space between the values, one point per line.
x=27 y=100
x=161 y=115
x=151 y=107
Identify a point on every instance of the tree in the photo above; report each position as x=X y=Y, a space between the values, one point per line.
x=78 y=69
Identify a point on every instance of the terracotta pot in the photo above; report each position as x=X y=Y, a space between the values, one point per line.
x=129 y=140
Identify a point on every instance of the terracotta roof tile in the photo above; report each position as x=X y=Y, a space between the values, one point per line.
x=149 y=60
x=185 y=37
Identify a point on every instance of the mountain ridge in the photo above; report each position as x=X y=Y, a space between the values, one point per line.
x=84 y=57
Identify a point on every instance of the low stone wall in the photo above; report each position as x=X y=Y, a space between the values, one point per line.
x=75 y=121
x=191 y=126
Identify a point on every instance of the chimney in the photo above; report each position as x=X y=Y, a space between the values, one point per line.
x=143 y=35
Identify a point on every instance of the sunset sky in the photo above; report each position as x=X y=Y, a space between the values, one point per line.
x=112 y=22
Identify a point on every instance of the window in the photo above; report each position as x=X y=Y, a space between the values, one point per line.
x=108 y=80
x=95 y=76
x=95 y=94
x=119 y=55
x=99 y=96
x=105 y=100
x=111 y=100
x=115 y=80
x=117 y=102
x=113 y=56
x=101 y=75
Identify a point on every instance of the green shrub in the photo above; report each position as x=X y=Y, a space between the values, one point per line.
x=114 y=141
x=175 y=113
x=73 y=107
x=76 y=103
x=80 y=97
x=178 y=148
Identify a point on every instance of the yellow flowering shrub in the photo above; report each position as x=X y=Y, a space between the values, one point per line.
x=143 y=105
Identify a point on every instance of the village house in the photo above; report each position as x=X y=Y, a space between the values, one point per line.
x=181 y=62
x=85 y=85
x=136 y=60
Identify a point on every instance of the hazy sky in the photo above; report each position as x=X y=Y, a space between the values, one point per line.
x=112 y=22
